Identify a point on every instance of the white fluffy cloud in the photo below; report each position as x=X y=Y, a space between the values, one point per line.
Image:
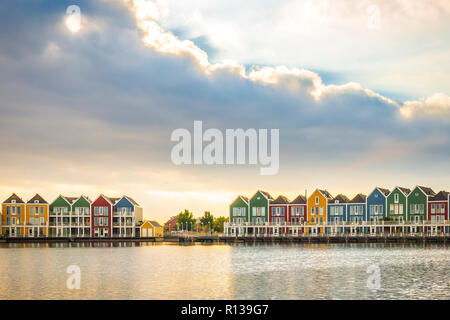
x=148 y=13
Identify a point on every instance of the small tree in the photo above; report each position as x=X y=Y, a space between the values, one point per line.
x=185 y=220
x=218 y=223
x=207 y=220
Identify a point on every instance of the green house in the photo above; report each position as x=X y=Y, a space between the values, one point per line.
x=418 y=203
x=239 y=210
x=397 y=202
x=259 y=207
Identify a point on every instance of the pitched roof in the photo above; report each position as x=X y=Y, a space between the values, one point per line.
x=440 y=196
x=427 y=191
x=132 y=201
x=299 y=200
x=405 y=191
x=155 y=224
x=266 y=194
x=70 y=200
x=359 y=198
x=14 y=197
x=384 y=191
x=38 y=198
x=280 y=200
x=340 y=198
x=326 y=194
x=110 y=199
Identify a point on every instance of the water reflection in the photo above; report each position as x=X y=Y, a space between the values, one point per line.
x=135 y=270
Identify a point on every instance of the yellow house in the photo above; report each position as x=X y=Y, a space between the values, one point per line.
x=318 y=209
x=151 y=229
x=36 y=217
x=13 y=217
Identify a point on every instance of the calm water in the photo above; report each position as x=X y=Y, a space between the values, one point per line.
x=165 y=271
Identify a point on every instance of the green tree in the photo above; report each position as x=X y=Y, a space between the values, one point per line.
x=218 y=223
x=207 y=220
x=185 y=220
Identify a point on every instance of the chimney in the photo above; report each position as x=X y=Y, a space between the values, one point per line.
x=306 y=194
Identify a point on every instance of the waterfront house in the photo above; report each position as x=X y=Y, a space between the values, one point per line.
x=279 y=213
x=151 y=229
x=297 y=210
x=13 y=217
x=81 y=212
x=376 y=204
x=279 y=210
x=418 y=203
x=101 y=216
x=438 y=207
x=337 y=209
x=259 y=211
x=397 y=203
x=259 y=207
x=318 y=209
x=337 y=212
x=239 y=210
x=356 y=208
x=36 y=217
x=59 y=216
x=126 y=215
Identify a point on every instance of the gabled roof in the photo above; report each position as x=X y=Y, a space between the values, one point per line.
x=38 y=198
x=245 y=199
x=405 y=191
x=359 y=198
x=384 y=191
x=280 y=200
x=12 y=198
x=70 y=200
x=427 y=191
x=111 y=200
x=268 y=196
x=132 y=201
x=340 y=198
x=326 y=194
x=155 y=224
x=299 y=200
x=440 y=196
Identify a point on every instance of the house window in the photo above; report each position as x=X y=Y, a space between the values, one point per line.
x=312 y=211
x=321 y=210
x=317 y=200
x=396 y=198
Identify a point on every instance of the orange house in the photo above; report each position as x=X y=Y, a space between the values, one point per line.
x=317 y=210
x=36 y=215
x=13 y=217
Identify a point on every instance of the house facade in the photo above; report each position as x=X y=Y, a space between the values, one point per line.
x=149 y=229
x=438 y=207
x=101 y=216
x=398 y=203
x=356 y=208
x=13 y=217
x=279 y=210
x=298 y=210
x=127 y=214
x=36 y=217
x=337 y=209
x=418 y=203
x=239 y=210
x=318 y=209
x=259 y=207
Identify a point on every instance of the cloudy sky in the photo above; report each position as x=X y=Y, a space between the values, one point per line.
x=359 y=90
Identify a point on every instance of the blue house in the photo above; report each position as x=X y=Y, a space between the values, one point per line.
x=356 y=209
x=127 y=215
x=376 y=204
x=337 y=211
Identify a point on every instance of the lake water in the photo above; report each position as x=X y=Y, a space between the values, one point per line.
x=169 y=271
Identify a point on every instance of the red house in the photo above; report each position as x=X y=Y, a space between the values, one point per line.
x=297 y=210
x=438 y=208
x=101 y=216
x=278 y=210
x=171 y=224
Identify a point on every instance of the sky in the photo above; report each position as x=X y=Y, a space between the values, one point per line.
x=359 y=91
